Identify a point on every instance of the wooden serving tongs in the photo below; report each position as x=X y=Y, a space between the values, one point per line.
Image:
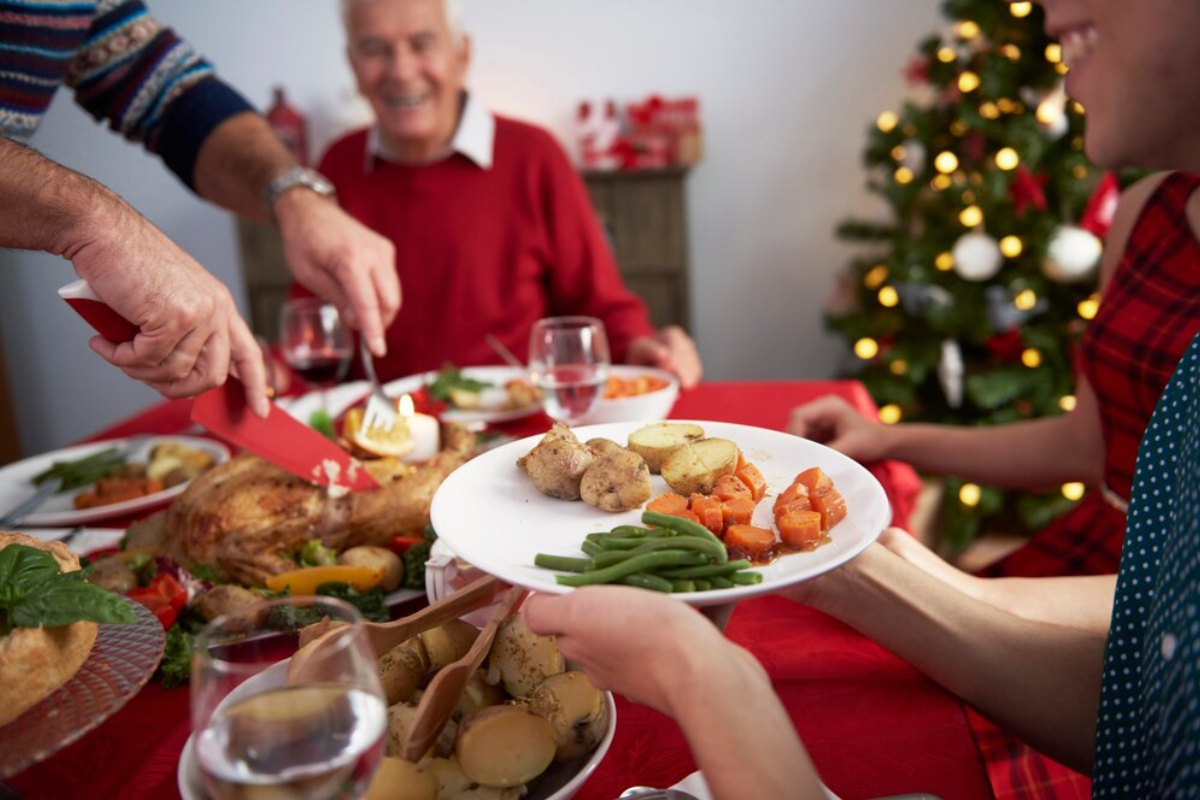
x=307 y=664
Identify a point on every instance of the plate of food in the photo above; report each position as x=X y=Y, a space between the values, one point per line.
x=108 y=479
x=59 y=681
x=559 y=723
x=781 y=508
x=469 y=395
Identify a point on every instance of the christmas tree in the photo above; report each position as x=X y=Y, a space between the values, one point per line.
x=965 y=305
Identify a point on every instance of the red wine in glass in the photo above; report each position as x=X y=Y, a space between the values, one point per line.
x=322 y=367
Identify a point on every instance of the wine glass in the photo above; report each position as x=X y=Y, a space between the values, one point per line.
x=319 y=737
x=315 y=342
x=568 y=362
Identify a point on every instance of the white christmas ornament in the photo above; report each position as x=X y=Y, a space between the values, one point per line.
x=950 y=372
x=1072 y=254
x=914 y=156
x=977 y=257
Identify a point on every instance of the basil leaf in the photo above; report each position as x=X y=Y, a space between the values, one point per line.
x=63 y=600
x=23 y=567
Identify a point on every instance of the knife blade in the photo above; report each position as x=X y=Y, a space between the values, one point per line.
x=279 y=438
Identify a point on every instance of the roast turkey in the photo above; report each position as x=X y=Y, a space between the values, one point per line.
x=248 y=518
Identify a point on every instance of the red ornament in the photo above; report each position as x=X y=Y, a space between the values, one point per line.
x=916 y=71
x=1027 y=190
x=1101 y=206
x=1006 y=346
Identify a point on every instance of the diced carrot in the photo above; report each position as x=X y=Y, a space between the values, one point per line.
x=687 y=514
x=815 y=480
x=750 y=539
x=831 y=506
x=796 y=493
x=754 y=481
x=798 y=528
x=729 y=487
x=738 y=510
x=741 y=462
x=709 y=512
x=668 y=503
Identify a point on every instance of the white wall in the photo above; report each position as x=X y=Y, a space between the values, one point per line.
x=787 y=88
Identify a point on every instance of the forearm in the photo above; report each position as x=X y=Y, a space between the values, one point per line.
x=1038 y=680
x=45 y=206
x=1034 y=453
x=738 y=731
x=238 y=161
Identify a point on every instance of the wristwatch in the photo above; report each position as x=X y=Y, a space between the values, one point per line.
x=297 y=176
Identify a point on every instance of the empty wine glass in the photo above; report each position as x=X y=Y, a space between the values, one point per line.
x=257 y=733
x=315 y=342
x=568 y=362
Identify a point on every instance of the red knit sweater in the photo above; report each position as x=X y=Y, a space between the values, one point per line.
x=485 y=251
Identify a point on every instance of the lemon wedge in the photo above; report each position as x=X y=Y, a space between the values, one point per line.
x=377 y=441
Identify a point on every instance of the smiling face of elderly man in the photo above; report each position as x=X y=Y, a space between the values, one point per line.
x=410 y=60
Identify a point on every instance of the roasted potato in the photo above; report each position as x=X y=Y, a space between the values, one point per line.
x=478 y=694
x=376 y=558
x=448 y=643
x=522 y=659
x=575 y=708
x=402 y=670
x=616 y=481
x=504 y=746
x=397 y=779
x=655 y=442
x=400 y=717
x=114 y=575
x=696 y=466
x=599 y=446
x=556 y=465
x=224 y=599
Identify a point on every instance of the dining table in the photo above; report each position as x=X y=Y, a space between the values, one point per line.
x=874 y=725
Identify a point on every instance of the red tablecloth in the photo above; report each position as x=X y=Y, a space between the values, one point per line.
x=873 y=724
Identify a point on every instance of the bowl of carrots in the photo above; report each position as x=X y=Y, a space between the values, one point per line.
x=635 y=393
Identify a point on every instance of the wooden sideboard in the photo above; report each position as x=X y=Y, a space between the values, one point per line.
x=644 y=214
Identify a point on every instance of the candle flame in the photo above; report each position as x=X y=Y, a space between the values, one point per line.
x=406 y=407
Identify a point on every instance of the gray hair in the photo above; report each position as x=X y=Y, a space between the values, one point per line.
x=451 y=8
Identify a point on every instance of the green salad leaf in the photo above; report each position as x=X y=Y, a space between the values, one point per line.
x=450 y=377
x=176 y=665
x=414 y=560
x=33 y=593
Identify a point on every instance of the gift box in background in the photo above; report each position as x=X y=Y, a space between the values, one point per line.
x=655 y=133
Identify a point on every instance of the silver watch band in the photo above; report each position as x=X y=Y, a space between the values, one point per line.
x=296 y=176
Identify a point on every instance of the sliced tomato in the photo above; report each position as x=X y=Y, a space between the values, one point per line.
x=164 y=597
x=400 y=544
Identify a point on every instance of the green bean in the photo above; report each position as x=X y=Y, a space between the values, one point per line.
x=746 y=578
x=645 y=580
x=589 y=547
x=682 y=586
x=715 y=551
x=643 y=563
x=638 y=530
x=81 y=472
x=622 y=543
x=563 y=563
x=702 y=585
x=706 y=571
x=678 y=524
x=721 y=582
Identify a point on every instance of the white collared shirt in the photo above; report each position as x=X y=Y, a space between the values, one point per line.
x=475 y=138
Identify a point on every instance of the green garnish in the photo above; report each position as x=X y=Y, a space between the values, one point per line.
x=83 y=471
x=451 y=377
x=34 y=594
x=322 y=423
x=315 y=554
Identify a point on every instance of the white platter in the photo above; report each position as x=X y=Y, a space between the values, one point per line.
x=16 y=482
x=492 y=517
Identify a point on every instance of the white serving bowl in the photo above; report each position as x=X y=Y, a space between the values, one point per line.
x=650 y=407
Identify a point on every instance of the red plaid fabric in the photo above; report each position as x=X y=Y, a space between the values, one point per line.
x=1149 y=314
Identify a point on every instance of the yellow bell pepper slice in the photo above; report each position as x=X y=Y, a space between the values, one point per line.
x=305 y=580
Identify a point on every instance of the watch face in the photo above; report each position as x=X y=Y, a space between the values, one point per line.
x=297 y=176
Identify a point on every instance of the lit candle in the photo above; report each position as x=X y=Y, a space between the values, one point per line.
x=426 y=432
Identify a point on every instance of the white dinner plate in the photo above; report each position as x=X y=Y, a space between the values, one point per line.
x=492 y=517
x=16 y=482
x=343 y=397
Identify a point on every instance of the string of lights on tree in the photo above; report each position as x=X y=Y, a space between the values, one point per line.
x=969 y=296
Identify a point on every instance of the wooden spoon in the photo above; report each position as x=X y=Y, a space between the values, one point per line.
x=383 y=636
x=441 y=696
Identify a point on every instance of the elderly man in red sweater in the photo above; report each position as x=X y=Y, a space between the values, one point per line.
x=492 y=226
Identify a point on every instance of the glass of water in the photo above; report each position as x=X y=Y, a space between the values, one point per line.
x=257 y=732
x=568 y=362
